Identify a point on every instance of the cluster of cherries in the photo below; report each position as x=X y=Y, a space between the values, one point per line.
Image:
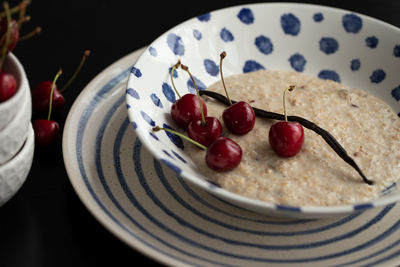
x=46 y=97
x=223 y=154
x=9 y=37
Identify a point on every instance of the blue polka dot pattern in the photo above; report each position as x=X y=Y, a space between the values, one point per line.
x=134 y=125
x=329 y=75
x=153 y=51
x=133 y=93
x=331 y=44
x=168 y=92
x=154 y=136
x=396 y=51
x=297 y=62
x=355 y=64
x=136 y=72
x=264 y=44
x=175 y=43
x=197 y=34
x=290 y=24
x=252 y=65
x=377 y=76
x=318 y=17
x=328 y=45
x=396 y=93
x=167 y=153
x=156 y=100
x=352 y=23
x=246 y=16
x=147 y=118
x=200 y=85
x=371 y=42
x=171 y=165
x=173 y=137
x=179 y=156
x=205 y=17
x=226 y=35
x=211 y=67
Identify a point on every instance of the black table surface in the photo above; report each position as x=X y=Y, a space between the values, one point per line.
x=45 y=223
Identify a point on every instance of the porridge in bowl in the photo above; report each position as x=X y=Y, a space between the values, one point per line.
x=363 y=124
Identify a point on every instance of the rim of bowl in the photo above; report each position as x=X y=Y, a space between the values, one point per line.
x=256 y=204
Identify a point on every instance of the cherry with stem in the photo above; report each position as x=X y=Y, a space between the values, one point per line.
x=222 y=155
x=206 y=129
x=239 y=118
x=46 y=130
x=286 y=138
x=187 y=107
x=40 y=94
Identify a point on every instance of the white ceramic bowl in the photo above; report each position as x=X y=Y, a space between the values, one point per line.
x=13 y=135
x=329 y=43
x=13 y=173
x=9 y=108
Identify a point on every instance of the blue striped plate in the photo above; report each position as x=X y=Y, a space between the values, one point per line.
x=147 y=206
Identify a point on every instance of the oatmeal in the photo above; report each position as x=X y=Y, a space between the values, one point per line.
x=364 y=125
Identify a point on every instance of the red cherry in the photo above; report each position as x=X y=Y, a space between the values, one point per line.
x=14 y=33
x=239 y=118
x=286 y=138
x=8 y=86
x=46 y=132
x=223 y=155
x=186 y=109
x=205 y=133
x=41 y=97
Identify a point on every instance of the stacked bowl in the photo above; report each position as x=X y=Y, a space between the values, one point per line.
x=16 y=133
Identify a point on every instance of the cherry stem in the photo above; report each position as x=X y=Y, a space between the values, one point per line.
x=172 y=76
x=51 y=92
x=16 y=9
x=289 y=89
x=203 y=119
x=7 y=36
x=157 y=128
x=36 y=31
x=221 y=57
x=21 y=17
x=85 y=55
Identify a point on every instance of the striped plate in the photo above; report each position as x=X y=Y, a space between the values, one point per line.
x=148 y=207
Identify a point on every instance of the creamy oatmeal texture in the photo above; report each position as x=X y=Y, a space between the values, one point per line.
x=364 y=125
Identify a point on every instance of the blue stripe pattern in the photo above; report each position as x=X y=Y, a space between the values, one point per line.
x=192 y=243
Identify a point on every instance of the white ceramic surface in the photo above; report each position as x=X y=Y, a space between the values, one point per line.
x=9 y=108
x=13 y=173
x=153 y=210
x=328 y=43
x=14 y=134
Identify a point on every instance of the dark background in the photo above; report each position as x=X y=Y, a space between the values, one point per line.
x=45 y=223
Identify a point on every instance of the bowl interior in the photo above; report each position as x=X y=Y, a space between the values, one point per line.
x=329 y=43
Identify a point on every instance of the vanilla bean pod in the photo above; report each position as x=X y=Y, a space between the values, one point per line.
x=330 y=140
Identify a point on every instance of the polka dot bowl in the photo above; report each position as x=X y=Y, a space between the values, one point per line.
x=323 y=42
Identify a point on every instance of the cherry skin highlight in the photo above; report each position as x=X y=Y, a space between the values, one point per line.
x=286 y=138
x=223 y=155
x=187 y=109
x=205 y=133
x=8 y=86
x=239 y=118
x=46 y=132
x=41 y=97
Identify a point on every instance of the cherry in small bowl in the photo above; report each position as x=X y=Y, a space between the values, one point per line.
x=223 y=155
x=186 y=109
